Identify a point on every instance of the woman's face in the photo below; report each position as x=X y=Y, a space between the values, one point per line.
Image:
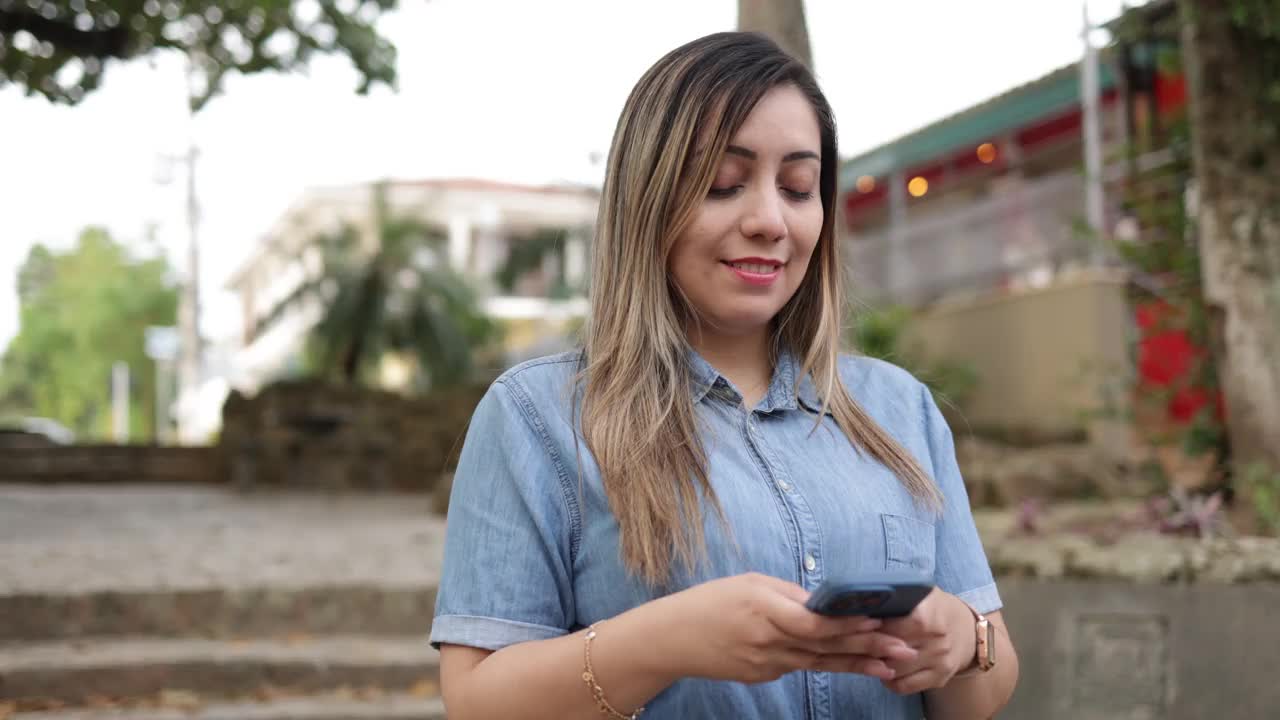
x=748 y=247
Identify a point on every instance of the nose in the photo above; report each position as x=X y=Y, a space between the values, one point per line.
x=762 y=217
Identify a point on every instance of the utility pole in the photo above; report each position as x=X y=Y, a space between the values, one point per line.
x=162 y=346
x=1094 y=207
x=189 y=343
x=189 y=307
x=120 y=402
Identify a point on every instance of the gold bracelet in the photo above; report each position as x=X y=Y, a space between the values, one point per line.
x=589 y=677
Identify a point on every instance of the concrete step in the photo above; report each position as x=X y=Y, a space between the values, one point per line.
x=85 y=671
x=361 y=609
x=319 y=707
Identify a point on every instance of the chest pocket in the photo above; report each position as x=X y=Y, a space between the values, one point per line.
x=909 y=543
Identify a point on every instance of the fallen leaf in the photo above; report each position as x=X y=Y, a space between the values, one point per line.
x=370 y=693
x=344 y=692
x=7 y=710
x=425 y=688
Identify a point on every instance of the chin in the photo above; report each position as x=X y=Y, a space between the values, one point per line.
x=743 y=323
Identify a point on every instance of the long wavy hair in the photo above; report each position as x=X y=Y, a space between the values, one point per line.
x=638 y=417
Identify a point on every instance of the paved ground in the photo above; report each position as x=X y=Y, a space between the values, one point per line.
x=65 y=539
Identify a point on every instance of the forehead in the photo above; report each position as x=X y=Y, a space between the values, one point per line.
x=783 y=121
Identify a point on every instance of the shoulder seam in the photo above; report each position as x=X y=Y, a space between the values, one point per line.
x=534 y=419
x=518 y=370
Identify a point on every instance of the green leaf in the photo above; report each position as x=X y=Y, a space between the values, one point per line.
x=67 y=44
x=397 y=299
x=80 y=312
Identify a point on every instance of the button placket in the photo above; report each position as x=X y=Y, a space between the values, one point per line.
x=753 y=425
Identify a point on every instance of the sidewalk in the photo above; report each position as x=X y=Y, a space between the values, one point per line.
x=66 y=539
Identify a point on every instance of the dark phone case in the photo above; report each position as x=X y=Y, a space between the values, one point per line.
x=882 y=597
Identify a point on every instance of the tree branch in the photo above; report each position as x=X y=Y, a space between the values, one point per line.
x=103 y=43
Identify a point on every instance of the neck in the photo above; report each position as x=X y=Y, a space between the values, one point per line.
x=744 y=359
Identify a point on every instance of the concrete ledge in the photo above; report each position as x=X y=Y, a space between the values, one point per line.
x=391 y=707
x=112 y=464
x=218 y=613
x=75 y=672
x=1108 y=649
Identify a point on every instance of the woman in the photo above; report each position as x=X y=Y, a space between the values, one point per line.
x=638 y=525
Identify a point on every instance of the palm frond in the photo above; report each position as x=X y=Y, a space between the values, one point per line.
x=391 y=301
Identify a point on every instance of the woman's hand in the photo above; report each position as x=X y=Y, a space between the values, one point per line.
x=941 y=630
x=755 y=628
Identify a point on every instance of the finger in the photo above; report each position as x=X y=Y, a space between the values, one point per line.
x=913 y=631
x=903 y=668
x=926 y=619
x=859 y=664
x=909 y=627
x=799 y=622
x=871 y=644
x=791 y=659
x=915 y=682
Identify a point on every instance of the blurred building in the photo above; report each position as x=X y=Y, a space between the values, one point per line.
x=993 y=198
x=981 y=221
x=484 y=223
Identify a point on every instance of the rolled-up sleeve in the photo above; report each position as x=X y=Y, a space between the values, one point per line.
x=507 y=574
x=962 y=568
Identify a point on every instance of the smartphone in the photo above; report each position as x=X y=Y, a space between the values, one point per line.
x=883 y=595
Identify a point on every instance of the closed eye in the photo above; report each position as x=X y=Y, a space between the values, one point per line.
x=724 y=192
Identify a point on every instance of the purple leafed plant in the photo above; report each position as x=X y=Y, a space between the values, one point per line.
x=1182 y=513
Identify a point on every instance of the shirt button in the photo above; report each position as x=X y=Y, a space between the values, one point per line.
x=784 y=486
x=809 y=563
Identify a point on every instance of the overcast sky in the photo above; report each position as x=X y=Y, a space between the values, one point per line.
x=510 y=90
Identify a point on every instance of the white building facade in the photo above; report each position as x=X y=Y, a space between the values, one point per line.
x=483 y=221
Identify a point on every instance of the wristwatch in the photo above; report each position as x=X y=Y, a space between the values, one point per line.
x=985 y=653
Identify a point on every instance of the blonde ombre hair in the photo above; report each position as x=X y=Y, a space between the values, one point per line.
x=638 y=416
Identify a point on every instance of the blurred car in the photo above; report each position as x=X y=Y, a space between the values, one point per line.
x=34 y=432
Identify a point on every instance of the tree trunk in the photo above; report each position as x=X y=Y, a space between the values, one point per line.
x=1236 y=156
x=782 y=21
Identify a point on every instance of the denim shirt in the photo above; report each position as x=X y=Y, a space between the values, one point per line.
x=531 y=555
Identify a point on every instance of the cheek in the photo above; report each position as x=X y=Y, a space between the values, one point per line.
x=684 y=266
x=805 y=234
x=694 y=254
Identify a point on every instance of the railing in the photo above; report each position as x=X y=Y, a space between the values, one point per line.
x=1019 y=235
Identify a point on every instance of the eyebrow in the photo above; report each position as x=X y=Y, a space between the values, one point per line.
x=789 y=157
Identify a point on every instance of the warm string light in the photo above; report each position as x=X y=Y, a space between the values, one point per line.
x=865 y=184
x=986 y=153
x=918 y=186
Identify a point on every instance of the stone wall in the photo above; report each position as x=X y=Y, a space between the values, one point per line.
x=305 y=434
x=1107 y=649
x=296 y=435
x=1114 y=620
x=110 y=464
x=1001 y=475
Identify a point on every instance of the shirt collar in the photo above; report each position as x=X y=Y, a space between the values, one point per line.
x=702 y=377
x=783 y=393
